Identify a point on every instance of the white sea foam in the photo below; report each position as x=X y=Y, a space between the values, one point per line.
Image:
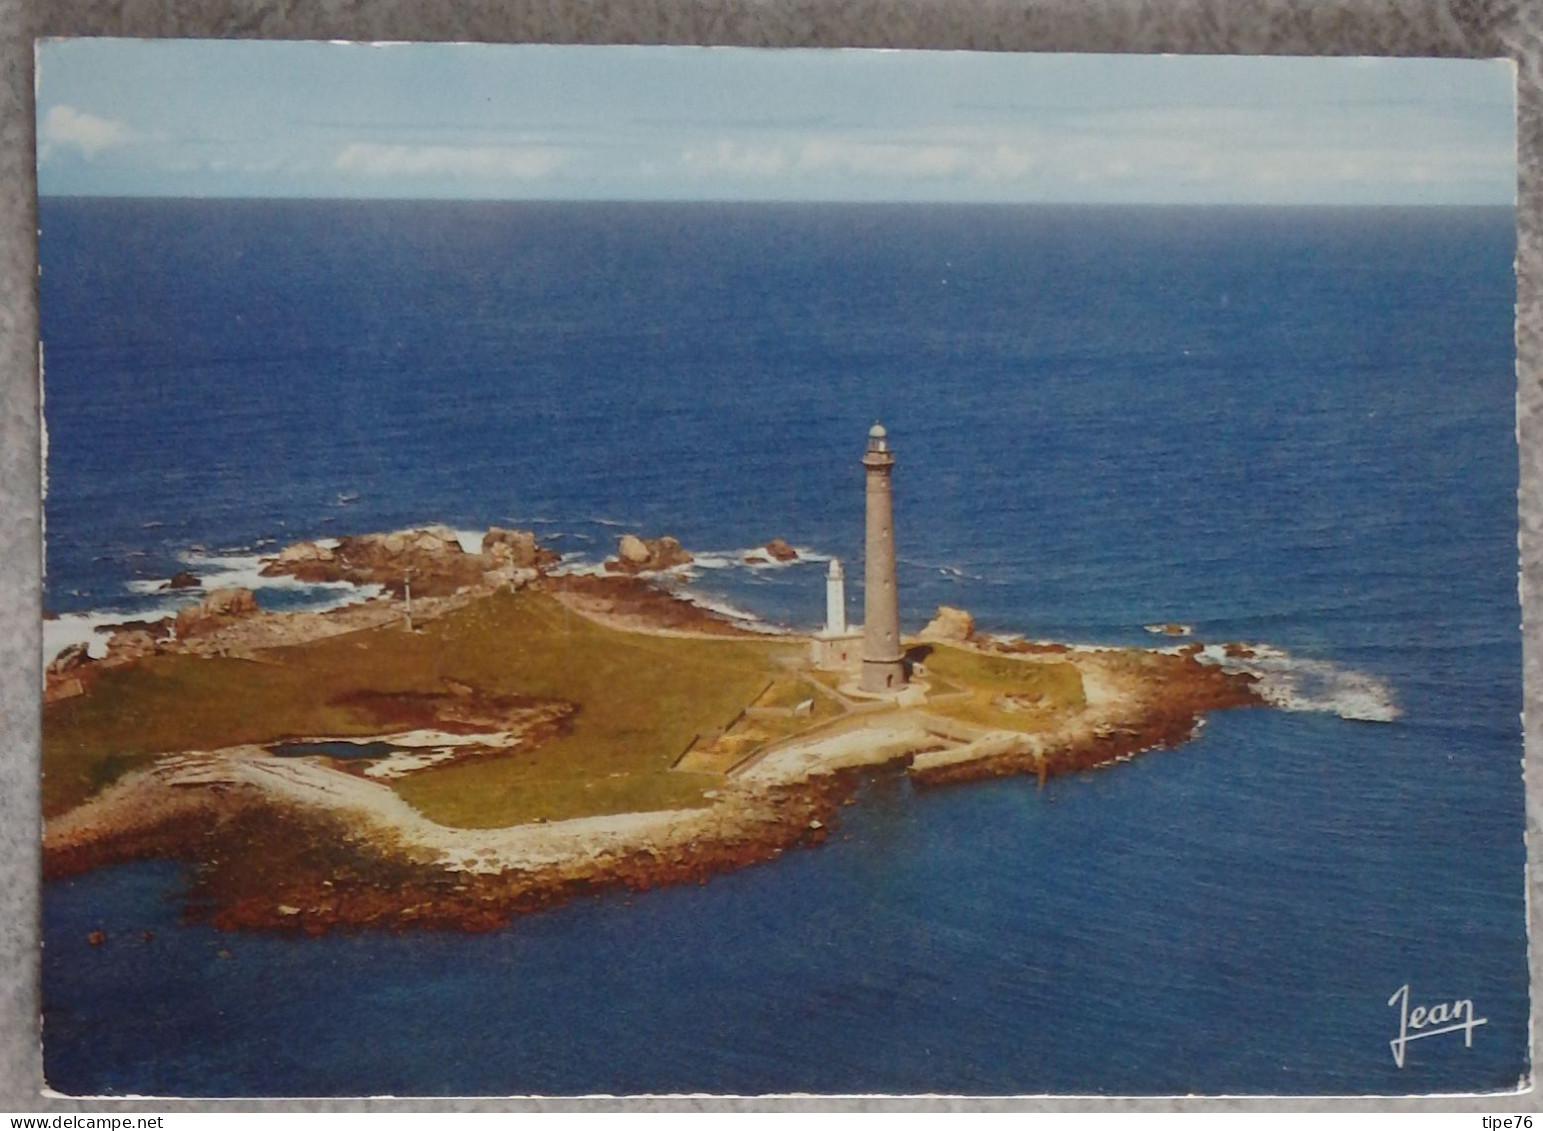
x=92 y=628
x=945 y=569
x=81 y=628
x=742 y=617
x=225 y=571
x=1296 y=684
x=753 y=558
x=579 y=564
x=757 y=558
x=214 y=571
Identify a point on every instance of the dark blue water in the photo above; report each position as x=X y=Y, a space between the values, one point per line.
x=1293 y=426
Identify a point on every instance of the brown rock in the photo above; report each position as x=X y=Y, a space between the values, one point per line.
x=779 y=550
x=305 y=552
x=182 y=579
x=63 y=687
x=234 y=602
x=220 y=606
x=435 y=540
x=668 y=552
x=515 y=548
x=949 y=625
x=68 y=660
x=508 y=577
x=432 y=556
x=633 y=550
x=160 y=627
x=128 y=644
x=637 y=555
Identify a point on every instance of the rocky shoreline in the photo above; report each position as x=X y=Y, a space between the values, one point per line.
x=274 y=862
x=443 y=577
x=302 y=845
x=321 y=871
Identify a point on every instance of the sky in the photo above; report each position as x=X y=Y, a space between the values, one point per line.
x=190 y=118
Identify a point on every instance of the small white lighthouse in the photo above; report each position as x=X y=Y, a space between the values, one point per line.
x=835 y=599
x=834 y=647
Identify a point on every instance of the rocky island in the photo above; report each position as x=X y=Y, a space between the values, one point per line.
x=488 y=732
x=527 y=733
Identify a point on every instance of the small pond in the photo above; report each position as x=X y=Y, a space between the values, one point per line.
x=336 y=748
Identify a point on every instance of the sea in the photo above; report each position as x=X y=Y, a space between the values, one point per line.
x=1288 y=426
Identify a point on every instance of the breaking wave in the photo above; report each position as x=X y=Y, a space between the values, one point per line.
x=217 y=571
x=739 y=616
x=1295 y=684
x=149 y=599
x=579 y=564
x=214 y=571
x=751 y=564
x=69 y=629
x=942 y=569
x=754 y=558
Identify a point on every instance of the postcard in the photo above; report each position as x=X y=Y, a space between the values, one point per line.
x=643 y=570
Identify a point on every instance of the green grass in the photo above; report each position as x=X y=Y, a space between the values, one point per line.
x=1055 y=683
x=640 y=698
x=786 y=692
x=178 y=703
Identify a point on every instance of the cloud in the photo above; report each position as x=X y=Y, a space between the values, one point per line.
x=1005 y=162
x=65 y=126
x=1278 y=155
x=736 y=159
x=508 y=162
x=884 y=159
x=845 y=157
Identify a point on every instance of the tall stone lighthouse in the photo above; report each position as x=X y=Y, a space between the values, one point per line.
x=883 y=661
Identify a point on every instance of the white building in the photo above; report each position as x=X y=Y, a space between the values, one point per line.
x=835 y=647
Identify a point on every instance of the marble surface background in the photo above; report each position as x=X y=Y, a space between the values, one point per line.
x=1460 y=28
